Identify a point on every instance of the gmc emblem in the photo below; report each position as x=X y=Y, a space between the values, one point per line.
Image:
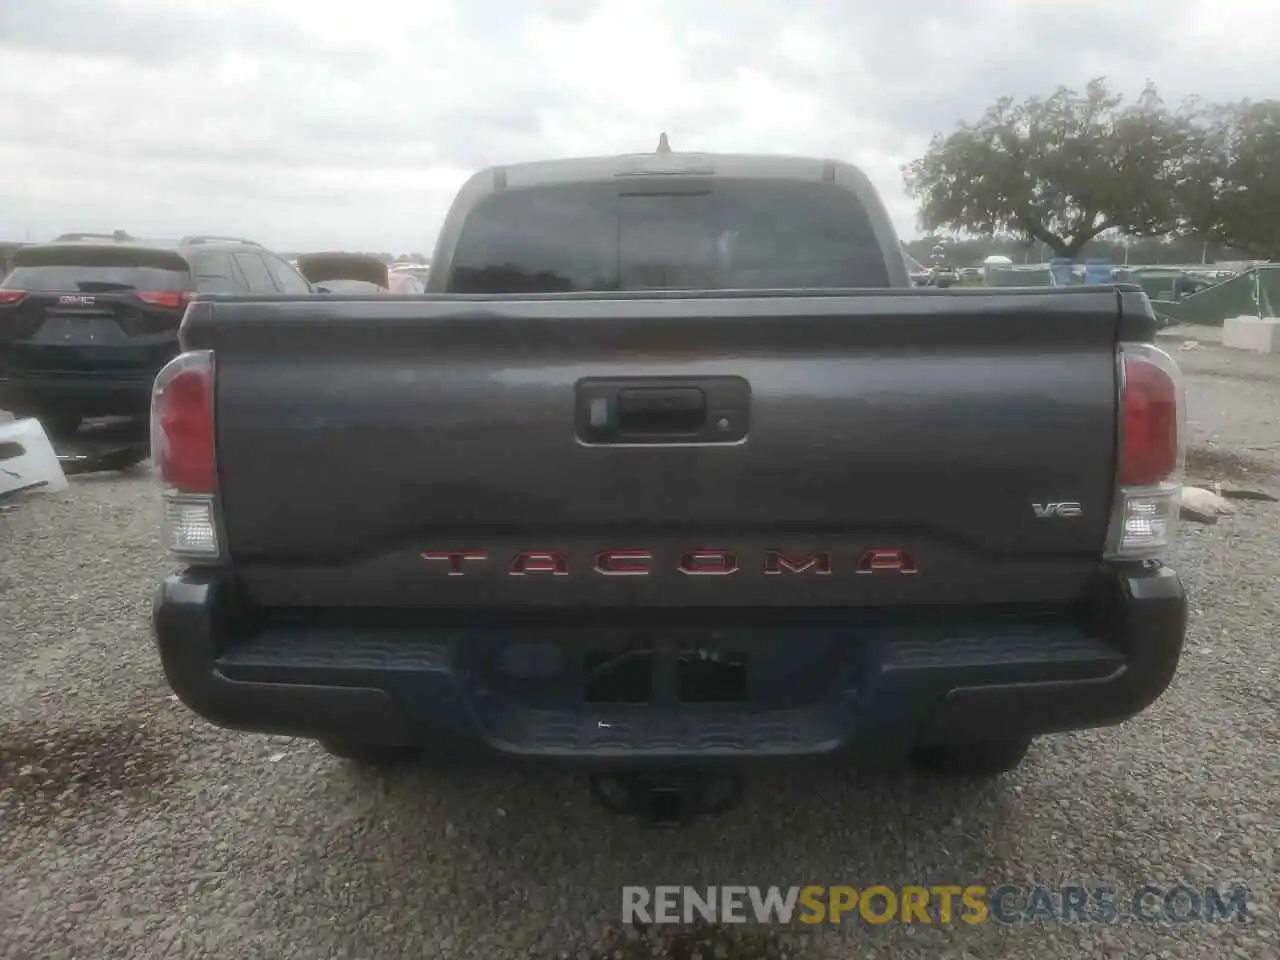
x=694 y=563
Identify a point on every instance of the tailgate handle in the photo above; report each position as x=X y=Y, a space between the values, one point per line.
x=661 y=410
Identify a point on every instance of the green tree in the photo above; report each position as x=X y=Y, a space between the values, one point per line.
x=1061 y=170
x=1234 y=196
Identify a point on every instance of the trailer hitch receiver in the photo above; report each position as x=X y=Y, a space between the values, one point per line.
x=668 y=798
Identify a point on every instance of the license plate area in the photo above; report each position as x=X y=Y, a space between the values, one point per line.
x=666 y=665
x=79 y=331
x=644 y=672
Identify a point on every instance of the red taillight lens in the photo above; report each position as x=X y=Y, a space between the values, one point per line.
x=182 y=424
x=1151 y=447
x=11 y=296
x=172 y=300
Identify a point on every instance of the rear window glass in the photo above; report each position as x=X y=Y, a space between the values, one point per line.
x=216 y=273
x=732 y=234
x=287 y=279
x=94 y=279
x=95 y=270
x=256 y=273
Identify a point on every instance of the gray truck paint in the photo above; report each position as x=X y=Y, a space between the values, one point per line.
x=355 y=435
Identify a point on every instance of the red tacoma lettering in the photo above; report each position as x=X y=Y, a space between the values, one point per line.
x=456 y=559
x=536 y=562
x=819 y=564
x=716 y=563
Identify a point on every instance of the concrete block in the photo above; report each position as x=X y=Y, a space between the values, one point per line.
x=1260 y=334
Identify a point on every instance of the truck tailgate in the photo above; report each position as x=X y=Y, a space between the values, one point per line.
x=894 y=448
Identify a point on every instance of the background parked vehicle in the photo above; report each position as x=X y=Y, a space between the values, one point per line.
x=1033 y=275
x=7 y=250
x=342 y=272
x=87 y=320
x=942 y=277
x=419 y=271
x=406 y=283
x=357 y=273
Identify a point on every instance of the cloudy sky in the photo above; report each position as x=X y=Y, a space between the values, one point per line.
x=319 y=123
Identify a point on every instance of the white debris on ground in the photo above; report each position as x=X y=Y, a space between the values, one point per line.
x=1235 y=492
x=28 y=462
x=1204 y=506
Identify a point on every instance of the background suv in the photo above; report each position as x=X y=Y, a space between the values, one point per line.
x=87 y=321
x=7 y=249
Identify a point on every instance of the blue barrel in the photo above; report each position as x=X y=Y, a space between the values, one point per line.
x=1061 y=269
x=1098 y=270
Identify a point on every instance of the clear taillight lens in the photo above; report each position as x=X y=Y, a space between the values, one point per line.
x=1145 y=521
x=190 y=527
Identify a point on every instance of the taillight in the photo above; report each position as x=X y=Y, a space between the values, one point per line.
x=173 y=300
x=1149 y=433
x=11 y=296
x=1150 y=453
x=182 y=452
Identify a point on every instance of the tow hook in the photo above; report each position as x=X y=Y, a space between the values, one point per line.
x=668 y=798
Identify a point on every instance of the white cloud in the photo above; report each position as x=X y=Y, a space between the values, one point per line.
x=331 y=124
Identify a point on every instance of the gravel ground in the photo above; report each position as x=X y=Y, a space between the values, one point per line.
x=128 y=828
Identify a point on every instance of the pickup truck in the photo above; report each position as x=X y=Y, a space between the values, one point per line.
x=672 y=467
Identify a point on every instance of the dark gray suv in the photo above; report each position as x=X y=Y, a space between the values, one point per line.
x=88 y=320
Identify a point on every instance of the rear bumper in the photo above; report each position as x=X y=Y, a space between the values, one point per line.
x=81 y=394
x=886 y=688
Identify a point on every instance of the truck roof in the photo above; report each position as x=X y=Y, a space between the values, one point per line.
x=584 y=169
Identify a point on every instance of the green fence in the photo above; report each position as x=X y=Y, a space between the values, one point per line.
x=1254 y=293
x=1158 y=285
